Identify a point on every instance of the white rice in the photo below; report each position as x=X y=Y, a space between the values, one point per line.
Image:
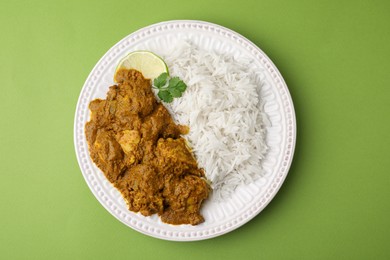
x=223 y=109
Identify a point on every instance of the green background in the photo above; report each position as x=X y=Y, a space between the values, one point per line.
x=334 y=56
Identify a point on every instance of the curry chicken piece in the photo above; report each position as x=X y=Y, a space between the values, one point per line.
x=140 y=187
x=184 y=194
x=174 y=156
x=133 y=139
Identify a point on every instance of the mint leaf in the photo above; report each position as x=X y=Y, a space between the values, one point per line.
x=173 y=89
x=173 y=82
x=165 y=96
x=181 y=86
x=161 y=80
x=175 y=92
x=176 y=87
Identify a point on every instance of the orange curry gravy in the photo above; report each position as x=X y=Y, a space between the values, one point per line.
x=133 y=139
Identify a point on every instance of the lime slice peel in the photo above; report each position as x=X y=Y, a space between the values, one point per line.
x=148 y=63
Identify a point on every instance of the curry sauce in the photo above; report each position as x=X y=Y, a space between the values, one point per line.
x=133 y=139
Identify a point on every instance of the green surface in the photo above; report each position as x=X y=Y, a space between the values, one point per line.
x=334 y=56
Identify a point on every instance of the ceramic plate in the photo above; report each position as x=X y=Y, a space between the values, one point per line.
x=247 y=200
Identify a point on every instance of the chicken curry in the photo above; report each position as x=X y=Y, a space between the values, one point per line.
x=133 y=139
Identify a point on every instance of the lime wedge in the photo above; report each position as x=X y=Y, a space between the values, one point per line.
x=146 y=62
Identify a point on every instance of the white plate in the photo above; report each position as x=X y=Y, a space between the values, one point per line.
x=248 y=200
